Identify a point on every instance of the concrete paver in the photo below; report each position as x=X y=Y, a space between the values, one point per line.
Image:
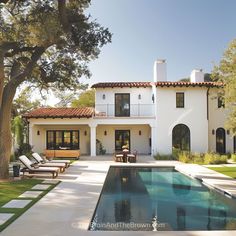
x=30 y=194
x=17 y=204
x=41 y=186
x=5 y=217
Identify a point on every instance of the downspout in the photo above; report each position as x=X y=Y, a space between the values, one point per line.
x=208 y=103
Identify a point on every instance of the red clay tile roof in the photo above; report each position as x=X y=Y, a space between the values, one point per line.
x=157 y=84
x=122 y=85
x=86 y=112
x=187 y=84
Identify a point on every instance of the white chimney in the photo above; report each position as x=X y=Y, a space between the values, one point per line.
x=160 y=70
x=197 y=76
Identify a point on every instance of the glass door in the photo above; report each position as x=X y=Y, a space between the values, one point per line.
x=122 y=138
x=122 y=104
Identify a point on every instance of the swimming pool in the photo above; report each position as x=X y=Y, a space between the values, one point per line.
x=160 y=198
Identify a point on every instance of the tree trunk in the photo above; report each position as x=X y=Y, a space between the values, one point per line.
x=5 y=130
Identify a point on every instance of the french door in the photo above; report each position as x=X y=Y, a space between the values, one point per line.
x=122 y=138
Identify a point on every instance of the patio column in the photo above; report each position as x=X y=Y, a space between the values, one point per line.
x=154 y=140
x=93 y=140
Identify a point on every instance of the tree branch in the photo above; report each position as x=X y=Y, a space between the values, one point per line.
x=63 y=17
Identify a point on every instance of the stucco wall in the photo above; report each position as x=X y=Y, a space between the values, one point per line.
x=106 y=105
x=217 y=118
x=39 y=141
x=194 y=115
x=138 y=142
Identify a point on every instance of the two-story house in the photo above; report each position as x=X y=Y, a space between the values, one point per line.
x=150 y=117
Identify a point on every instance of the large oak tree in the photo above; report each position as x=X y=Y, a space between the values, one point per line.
x=43 y=43
x=225 y=72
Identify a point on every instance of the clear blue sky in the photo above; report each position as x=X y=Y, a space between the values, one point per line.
x=187 y=33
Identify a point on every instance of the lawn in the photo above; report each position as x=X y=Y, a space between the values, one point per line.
x=230 y=171
x=11 y=190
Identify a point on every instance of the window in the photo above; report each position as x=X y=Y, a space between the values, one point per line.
x=62 y=139
x=122 y=138
x=220 y=140
x=221 y=102
x=122 y=104
x=179 y=100
x=181 y=137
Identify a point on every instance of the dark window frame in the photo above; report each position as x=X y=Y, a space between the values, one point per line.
x=180 y=101
x=122 y=114
x=220 y=147
x=220 y=102
x=54 y=139
x=118 y=130
x=183 y=135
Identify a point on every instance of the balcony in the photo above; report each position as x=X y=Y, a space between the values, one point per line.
x=134 y=110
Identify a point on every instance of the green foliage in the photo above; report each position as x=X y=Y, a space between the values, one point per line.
x=233 y=157
x=159 y=156
x=86 y=99
x=201 y=159
x=100 y=150
x=24 y=149
x=64 y=37
x=23 y=104
x=214 y=158
x=226 y=73
x=18 y=129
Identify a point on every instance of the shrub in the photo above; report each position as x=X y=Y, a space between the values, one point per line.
x=185 y=157
x=214 y=158
x=159 y=156
x=24 y=149
x=100 y=150
x=233 y=157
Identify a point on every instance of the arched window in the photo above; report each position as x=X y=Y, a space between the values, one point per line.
x=181 y=137
x=220 y=140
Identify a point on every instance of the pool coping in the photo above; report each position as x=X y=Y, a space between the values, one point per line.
x=60 y=212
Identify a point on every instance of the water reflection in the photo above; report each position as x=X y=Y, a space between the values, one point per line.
x=160 y=199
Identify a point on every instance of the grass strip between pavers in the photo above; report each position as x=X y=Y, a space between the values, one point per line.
x=11 y=190
x=229 y=171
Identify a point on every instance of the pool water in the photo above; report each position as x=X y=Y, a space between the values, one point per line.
x=160 y=198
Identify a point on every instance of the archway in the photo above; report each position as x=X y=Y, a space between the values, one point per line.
x=181 y=137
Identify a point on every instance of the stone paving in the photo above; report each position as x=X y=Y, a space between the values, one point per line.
x=30 y=194
x=69 y=207
x=4 y=217
x=41 y=187
x=210 y=177
x=17 y=204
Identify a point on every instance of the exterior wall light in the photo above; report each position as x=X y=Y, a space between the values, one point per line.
x=213 y=132
x=153 y=98
x=103 y=96
x=105 y=133
x=85 y=133
x=38 y=132
x=140 y=132
x=139 y=96
x=228 y=132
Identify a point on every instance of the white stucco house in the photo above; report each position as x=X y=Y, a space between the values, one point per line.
x=150 y=117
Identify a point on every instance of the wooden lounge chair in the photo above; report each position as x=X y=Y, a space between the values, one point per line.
x=31 y=168
x=40 y=163
x=132 y=157
x=118 y=157
x=43 y=160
